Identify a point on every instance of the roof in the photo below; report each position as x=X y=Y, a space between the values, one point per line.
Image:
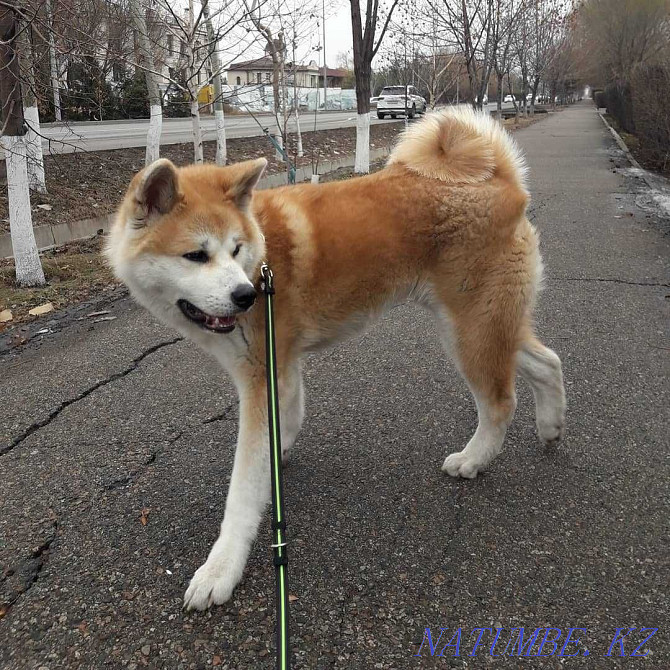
x=262 y=63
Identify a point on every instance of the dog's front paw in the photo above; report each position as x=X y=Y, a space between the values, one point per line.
x=462 y=464
x=211 y=585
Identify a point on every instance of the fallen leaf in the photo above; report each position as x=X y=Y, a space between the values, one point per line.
x=6 y=315
x=42 y=309
x=216 y=660
x=3 y=610
x=144 y=516
x=48 y=208
x=83 y=628
x=292 y=598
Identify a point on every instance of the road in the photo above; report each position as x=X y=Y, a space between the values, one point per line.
x=116 y=422
x=96 y=136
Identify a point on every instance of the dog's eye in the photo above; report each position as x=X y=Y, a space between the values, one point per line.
x=236 y=250
x=196 y=256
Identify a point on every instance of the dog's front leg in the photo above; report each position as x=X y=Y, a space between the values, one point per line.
x=248 y=496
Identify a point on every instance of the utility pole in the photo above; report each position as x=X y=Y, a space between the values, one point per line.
x=53 y=65
x=325 y=67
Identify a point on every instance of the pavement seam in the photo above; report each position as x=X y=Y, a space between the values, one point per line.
x=37 y=425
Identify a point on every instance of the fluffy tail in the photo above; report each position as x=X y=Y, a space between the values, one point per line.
x=460 y=146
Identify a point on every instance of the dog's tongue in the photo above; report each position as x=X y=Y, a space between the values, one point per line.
x=220 y=321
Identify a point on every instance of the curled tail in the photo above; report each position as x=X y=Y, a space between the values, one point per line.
x=461 y=146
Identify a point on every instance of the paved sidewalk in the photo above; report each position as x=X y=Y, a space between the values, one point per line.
x=106 y=426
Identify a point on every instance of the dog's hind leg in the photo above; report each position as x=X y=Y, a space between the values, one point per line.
x=292 y=408
x=483 y=347
x=541 y=368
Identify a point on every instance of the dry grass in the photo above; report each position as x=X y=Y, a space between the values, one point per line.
x=74 y=273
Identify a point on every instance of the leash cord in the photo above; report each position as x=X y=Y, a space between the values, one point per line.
x=280 y=558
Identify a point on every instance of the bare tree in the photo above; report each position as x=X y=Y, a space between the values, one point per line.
x=146 y=62
x=365 y=49
x=33 y=137
x=26 y=257
x=221 y=149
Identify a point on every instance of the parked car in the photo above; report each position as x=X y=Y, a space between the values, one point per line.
x=403 y=100
x=509 y=98
x=373 y=101
x=485 y=100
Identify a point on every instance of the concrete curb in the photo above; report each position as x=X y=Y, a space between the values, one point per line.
x=49 y=236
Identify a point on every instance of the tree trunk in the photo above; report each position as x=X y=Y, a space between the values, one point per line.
x=362 y=68
x=33 y=137
x=146 y=62
x=197 y=132
x=53 y=65
x=26 y=257
x=221 y=148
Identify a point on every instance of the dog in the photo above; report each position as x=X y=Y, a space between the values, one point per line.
x=443 y=224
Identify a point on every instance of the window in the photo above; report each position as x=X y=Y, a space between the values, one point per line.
x=239 y=81
x=258 y=77
x=267 y=77
x=170 y=44
x=313 y=80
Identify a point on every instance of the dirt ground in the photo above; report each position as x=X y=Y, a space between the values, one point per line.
x=84 y=185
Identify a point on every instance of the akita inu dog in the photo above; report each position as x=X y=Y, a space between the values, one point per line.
x=442 y=224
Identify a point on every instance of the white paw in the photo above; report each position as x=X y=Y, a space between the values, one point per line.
x=210 y=585
x=462 y=464
x=550 y=424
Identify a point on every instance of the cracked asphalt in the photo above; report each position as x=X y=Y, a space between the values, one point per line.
x=116 y=447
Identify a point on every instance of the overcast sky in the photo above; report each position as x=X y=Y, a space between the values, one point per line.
x=338 y=32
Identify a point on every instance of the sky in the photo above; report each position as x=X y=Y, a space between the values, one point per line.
x=338 y=32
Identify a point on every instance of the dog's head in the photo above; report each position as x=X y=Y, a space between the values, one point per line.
x=187 y=245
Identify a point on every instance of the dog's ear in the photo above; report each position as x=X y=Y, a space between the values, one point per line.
x=241 y=180
x=157 y=191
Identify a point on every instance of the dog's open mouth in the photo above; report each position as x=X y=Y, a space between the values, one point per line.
x=217 y=324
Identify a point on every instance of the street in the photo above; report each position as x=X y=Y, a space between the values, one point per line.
x=116 y=444
x=98 y=136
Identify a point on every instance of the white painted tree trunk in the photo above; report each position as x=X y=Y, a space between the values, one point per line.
x=221 y=151
x=362 y=162
x=35 y=157
x=153 y=152
x=219 y=118
x=297 y=129
x=26 y=257
x=278 y=138
x=197 y=131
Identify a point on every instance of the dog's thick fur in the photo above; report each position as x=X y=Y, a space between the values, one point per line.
x=443 y=224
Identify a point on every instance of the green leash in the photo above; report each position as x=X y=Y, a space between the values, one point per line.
x=278 y=516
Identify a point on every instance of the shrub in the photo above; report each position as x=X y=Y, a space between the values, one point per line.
x=620 y=104
x=650 y=87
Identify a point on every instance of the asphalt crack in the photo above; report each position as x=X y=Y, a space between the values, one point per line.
x=128 y=479
x=37 y=425
x=28 y=572
x=608 y=281
x=223 y=416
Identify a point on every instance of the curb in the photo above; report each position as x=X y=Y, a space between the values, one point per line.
x=49 y=236
x=626 y=151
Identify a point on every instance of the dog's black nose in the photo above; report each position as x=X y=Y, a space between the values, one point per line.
x=244 y=296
